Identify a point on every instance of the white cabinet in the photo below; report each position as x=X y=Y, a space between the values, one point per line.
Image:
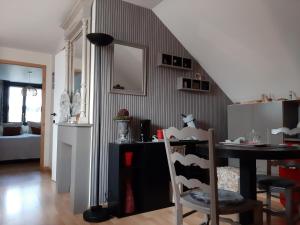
x=261 y=117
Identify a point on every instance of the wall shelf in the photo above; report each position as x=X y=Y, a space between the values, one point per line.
x=176 y=62
x=190 y=84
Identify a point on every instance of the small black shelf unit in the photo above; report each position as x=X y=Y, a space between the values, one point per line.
x=190 y=84
x=176 y=62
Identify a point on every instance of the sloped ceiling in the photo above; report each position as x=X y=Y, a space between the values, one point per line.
x=247 y=47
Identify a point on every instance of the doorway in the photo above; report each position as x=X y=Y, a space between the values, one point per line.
x=28 y=88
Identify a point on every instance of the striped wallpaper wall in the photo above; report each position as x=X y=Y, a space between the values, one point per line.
x=163 y=103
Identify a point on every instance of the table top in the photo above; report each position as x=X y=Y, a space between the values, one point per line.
x=241 y=152
x=256 y=152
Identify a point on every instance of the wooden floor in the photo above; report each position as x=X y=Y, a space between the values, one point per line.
x=28 y=197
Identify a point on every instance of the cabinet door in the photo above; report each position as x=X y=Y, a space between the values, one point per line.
x=240 y=123
x=267 y=117
x=156 y=178
x=240 y=120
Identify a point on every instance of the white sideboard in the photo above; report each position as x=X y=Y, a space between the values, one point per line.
x=73 y=164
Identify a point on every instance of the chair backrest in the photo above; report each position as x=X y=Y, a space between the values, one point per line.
x=190 y=159
x=287 y=164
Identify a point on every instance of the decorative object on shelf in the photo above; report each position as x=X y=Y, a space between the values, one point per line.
x=198 y=76
x=65 y=107
x=177 y=61
x=145 y=130
x=76 y=103
x=172 y=61
x=160 y=134
x=266 y=98
x=118 y=86
x=292 y=95
x=123 y=120
x=190 y=84
x=188 y=120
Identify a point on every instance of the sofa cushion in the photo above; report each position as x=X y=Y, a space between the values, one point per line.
x=11 y=131
x=34 y=127
x=36 y=130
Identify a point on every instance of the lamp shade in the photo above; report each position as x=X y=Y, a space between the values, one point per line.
x=100 y=39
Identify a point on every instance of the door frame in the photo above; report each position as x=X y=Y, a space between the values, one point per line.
x=44 y=69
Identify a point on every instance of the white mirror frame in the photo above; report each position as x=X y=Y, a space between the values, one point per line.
x=81 y=28
x=145 y=64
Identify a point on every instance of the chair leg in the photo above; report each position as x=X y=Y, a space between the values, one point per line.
x=269 y=206
x=289 y=206
x=258 y=214
x=179 y=214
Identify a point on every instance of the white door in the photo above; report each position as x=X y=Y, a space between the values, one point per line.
x=59 y=86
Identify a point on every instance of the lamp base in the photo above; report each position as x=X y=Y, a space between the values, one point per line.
x=96 y=214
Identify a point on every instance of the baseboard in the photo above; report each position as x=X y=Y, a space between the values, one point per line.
x=19 y=161
x=46 y=169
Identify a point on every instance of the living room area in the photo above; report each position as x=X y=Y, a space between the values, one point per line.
x=94 y=85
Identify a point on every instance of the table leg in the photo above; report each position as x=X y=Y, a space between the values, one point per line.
x=247 y=186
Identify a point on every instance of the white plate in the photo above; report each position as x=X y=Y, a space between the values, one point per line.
x=246 y=145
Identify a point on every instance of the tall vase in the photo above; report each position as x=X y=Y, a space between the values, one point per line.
x=123 y=131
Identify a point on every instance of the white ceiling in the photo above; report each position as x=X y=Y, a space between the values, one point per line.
x=33 y=24
x=247 y=47
x=144 y=3
x=22 y=74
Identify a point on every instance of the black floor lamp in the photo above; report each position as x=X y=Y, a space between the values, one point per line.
x=97 y=213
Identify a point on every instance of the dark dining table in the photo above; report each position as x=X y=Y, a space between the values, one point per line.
x=248 y=156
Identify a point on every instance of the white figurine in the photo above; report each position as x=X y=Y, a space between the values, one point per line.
x=65 y=106
x=76 y=103
x=189 y=120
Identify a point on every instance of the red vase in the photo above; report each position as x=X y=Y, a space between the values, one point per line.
x=129 y=199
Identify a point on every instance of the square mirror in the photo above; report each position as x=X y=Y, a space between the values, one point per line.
x=129 y=69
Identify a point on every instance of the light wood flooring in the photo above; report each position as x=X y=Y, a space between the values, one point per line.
x=28 y=197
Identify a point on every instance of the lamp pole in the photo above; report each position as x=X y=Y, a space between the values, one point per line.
x=97 y=213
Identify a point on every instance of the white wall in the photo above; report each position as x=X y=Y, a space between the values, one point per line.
x=44 y=59
x=247 y=47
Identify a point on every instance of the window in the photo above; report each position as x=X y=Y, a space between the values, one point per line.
x=33 y=107
x=24 y=108
x=15 y=103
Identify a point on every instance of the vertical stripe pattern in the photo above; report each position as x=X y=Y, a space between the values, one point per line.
x=163 y=104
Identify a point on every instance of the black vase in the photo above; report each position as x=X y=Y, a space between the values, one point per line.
x=145 y=130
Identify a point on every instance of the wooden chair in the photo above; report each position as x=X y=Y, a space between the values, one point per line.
x=274 y=184
x=202 y=197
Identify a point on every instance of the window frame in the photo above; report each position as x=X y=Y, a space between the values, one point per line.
x=7 y=85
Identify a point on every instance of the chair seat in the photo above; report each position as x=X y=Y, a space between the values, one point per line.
x=225 y=197
x=265 y=182
x=228 y=205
